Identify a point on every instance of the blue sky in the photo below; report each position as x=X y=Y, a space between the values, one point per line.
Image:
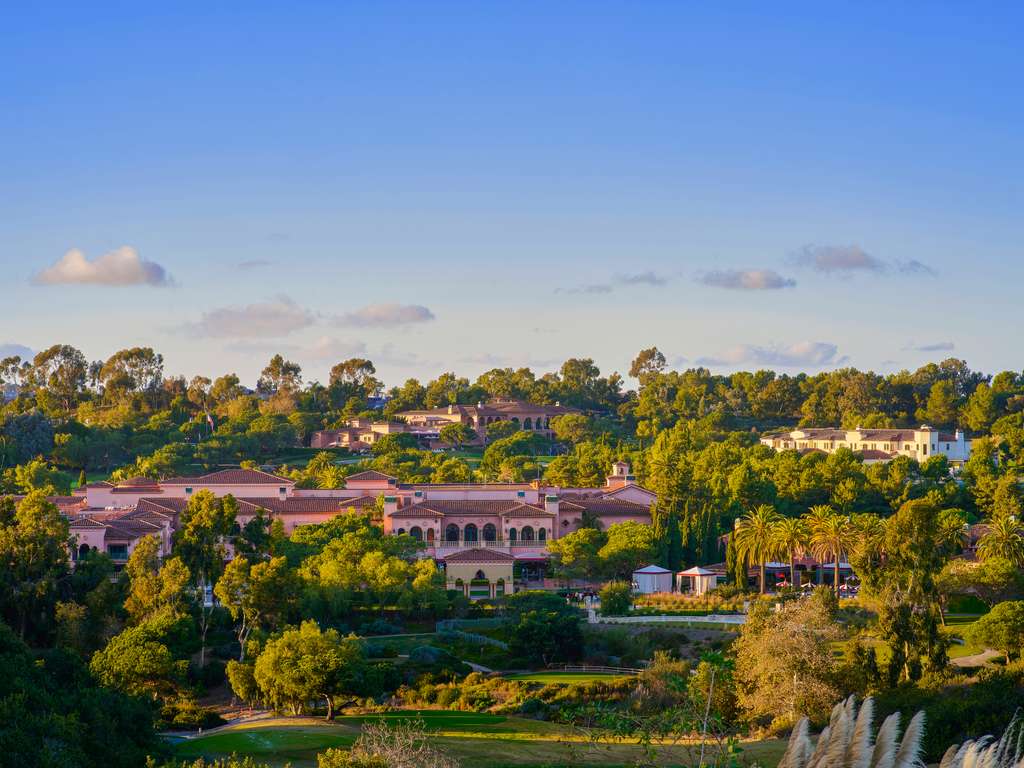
x=458 y=186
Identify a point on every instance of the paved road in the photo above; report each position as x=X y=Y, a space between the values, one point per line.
x=977 y=660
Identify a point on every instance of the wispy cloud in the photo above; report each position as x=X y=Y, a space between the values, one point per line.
x=11 y=349
x=642 y=278
x=277 y=317
x=838 y=259
x=937 y=346
x=810 y=354
x=254 y=264
x=331 y=348
x=915 y=267
x=385 y=316
x=649 y=278
x=746 y=279
x=120 y=267
x=846 y=260
x=593 y=288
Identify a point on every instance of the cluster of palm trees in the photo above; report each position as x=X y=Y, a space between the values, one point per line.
x=763 y=535
x=1004 y=537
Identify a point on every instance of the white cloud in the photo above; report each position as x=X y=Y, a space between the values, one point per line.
x=385 y=316
x=120 y=267
x=16 y=350
x=277 y=317
x=746 y=279
x=810 y=354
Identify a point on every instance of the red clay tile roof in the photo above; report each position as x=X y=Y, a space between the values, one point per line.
x=479 y=556
x=527 y=510
x=416 y=510
x=231 y=477
x=86 y=522
x=272 y=504
x=872 y=454
x=138 y=482
x=609 y=506
x=370 y=474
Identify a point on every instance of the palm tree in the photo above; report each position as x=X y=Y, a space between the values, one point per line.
x=755 y=537
x=1004 y=538
x=792 y=537
x=868 y=537
x=832 y=536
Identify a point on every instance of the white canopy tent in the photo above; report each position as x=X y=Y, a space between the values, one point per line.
x=651 y=579
x=701 y=580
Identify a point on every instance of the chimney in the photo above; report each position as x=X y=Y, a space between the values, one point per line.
x=959 y=435
x=451 y=409
x=390 y=506
x=551 y=503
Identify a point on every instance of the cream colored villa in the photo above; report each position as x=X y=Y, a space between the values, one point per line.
x=876 y=445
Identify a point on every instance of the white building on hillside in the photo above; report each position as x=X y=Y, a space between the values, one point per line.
x=876 y=445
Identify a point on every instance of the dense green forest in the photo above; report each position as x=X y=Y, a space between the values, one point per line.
x=143 y=646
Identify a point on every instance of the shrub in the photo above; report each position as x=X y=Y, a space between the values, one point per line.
x=616 y=598
x=380 y=627
x=187 y=714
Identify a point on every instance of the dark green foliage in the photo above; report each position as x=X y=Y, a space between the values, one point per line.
x=955 y=712
x=53 y=715
x=616 y=598
x=30 y=435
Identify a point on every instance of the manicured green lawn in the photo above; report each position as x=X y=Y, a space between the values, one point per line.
x=277 y=743
x=566 y=678
x=478 y=740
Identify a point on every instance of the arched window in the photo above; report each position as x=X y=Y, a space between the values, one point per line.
x=542 y=533
x=401 y=531
x=83 y=551
x=481 y=575
x=547 y=423
x=451 y=532
x=515 y=420
x=430 y=534
x=490 y=532
x=416 y=532
x=527 y=423
x=469 y=533
x=527 y=533
x=511 y=534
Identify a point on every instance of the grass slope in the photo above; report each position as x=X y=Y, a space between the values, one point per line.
x=479 y=740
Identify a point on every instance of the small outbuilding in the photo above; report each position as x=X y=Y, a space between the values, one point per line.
x=701 y=580
x=651 y=579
